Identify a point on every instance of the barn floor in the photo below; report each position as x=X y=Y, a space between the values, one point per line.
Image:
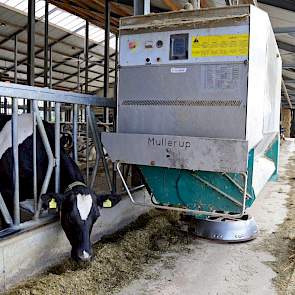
x=153 y=257
x=263 y=266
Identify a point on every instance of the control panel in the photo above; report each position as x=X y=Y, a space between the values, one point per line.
x=191 y=46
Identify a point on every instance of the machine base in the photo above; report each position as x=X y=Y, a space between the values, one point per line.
x=224 y=229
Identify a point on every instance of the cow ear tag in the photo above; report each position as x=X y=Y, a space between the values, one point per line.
x=107 y=203
x=52 y=204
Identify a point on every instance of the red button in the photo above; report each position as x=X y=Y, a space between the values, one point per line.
x=132 y=45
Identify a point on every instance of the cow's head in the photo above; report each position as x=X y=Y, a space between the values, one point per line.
x=78 y=211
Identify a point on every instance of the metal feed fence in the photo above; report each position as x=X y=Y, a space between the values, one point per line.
x=54 y=98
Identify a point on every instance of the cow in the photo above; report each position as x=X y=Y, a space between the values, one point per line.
x=78 y=206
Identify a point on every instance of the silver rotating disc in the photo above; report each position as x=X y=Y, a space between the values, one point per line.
x=227 y=230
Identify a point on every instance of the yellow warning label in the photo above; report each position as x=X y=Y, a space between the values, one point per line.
x=220 y=45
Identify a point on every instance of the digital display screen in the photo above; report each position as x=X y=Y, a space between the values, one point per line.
x=178 y=46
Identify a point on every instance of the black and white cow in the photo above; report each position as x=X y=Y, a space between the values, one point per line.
x=77 y=204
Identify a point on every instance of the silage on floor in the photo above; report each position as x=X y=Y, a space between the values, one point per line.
x=118 y=259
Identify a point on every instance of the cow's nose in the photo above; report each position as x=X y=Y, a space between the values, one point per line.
x=84 y=256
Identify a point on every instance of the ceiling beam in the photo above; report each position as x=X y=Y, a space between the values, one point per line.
x=284 y=4
x=83 y=70
x=286 y=46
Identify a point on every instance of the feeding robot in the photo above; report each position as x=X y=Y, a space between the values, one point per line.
x=198 y=112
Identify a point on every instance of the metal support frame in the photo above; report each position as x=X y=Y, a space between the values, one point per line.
x=15 y=58
x=138 y=7
x=107 y=14
x=185 y=210
x=31 y=47
x=31 y=43
x=51 y=161
x=57 y=146
x=14 y=135
x=86 y=60
x=46 y=29
x=37 y=93
x=99 y=149
x=147 y=7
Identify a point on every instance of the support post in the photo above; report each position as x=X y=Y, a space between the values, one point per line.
x=31 y=47
x=50 y=81
x=46 y=26
x=15 y=58
x=86 y=56
x=57 y=147
x=106 y=56
x=138 y=7
x=15 y=161
x=147 y=6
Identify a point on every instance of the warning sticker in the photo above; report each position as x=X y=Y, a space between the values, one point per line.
x=220 y=45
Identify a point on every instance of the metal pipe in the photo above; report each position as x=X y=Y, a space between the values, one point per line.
x=31 y=47
x=98 y=145
x=57 y=147
x=86 y=55
x=138 y=7
x=35 y=185
x=49 y=155
x=14 y=128
x=87 y=143
x=15 y=58
x=76 y=117
x=46 y=29
x=107 y=9
x=50 y=80
x=114 y=184
x=5 y=212
x=147 y=7
x=75 y=132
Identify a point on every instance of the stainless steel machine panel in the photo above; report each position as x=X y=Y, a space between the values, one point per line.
x=182 y=152
x=202 y=100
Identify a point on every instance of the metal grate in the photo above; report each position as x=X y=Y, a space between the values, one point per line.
x=190 y=103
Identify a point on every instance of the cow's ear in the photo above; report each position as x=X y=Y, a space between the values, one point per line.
x=108 y=200
x=51 y=201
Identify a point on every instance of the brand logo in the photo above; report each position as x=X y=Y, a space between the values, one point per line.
x=164 y=142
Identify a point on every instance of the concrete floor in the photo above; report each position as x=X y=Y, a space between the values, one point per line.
x=224 y=269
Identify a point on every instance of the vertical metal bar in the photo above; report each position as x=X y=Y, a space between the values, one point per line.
x=87 y=143
x=76 y=118
x=31 y=47
x=106 y=55
x=147 y=6
x=86 y=55
x=5 y=105
x=98 y=145
x=35 y=187
x=75 y=132
x=57 y=147
x=15 y=58
x=78 y=76
x=114 y=176
x=14 y=122
x=48 y=152
x=50 y=81
x=46 y=28
x=138 y=7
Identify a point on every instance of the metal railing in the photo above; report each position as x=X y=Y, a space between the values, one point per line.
x=34 y=94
